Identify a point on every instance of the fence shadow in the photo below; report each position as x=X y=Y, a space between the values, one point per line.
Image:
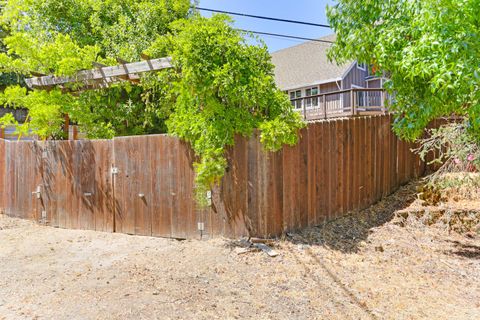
x=464 y=250
x=347 y=232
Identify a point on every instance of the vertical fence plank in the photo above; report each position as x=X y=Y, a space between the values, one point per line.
x=51 y=195
x=253 y=151
x=340 y=156
x=363 y=163
x=278 y=192
x=374 y=166
x=346 y=167
x=321 y=166
x=239 y=187
x=124 y=213
x=3 y=175
x=355 y=163
x=368 y=161
x=394 y=159
x=379 y=152
x=311 y=161
x=160 y=217
x=103 y=196
x=263 y=192
x=174 y=182
x=332 y=168
x=302 y=180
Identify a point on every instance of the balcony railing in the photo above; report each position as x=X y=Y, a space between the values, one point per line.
x=343 y=103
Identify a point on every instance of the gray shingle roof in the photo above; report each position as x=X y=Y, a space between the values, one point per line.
x=305 y=64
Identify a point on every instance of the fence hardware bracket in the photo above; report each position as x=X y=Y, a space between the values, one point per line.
x=114 y=170
x=43 y=219
x=37 y=192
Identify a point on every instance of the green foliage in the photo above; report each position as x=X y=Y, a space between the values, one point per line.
x=431 y=49
x=45 y=110
x=6 y=120
x=224 y=87
x=118 y=28
x=64 y=36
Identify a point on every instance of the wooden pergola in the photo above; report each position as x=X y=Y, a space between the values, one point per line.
x=101 y=76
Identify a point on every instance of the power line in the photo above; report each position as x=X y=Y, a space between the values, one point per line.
x=285 y=36
x=266 y=18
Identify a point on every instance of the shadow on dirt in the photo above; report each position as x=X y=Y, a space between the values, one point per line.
x=465 y=250
x=346 y=233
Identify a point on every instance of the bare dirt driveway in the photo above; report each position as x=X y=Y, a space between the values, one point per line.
x=373 y=269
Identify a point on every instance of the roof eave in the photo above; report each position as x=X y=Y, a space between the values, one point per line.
x=315 y=83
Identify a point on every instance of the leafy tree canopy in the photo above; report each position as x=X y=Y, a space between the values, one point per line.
x=63 y=36
x=430 y=48
x=219 y=86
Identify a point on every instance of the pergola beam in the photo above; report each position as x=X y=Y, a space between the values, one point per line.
x=102 y=75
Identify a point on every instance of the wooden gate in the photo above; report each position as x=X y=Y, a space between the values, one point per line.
x=62 y=183
x=154 y=187
x=22 y=180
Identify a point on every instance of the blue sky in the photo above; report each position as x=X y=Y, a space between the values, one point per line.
x=303 y=10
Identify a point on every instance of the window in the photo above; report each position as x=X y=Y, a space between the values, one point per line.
x=297 y=104
x=362 y=66
x=312 y=102
x=314 y=93
x=361 y=97
x=308 y=102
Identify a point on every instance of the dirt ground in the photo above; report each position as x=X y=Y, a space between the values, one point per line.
x=358 y=267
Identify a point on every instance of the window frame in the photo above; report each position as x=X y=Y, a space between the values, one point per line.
x=297 y=93
x=362 y=66
x=311 y=102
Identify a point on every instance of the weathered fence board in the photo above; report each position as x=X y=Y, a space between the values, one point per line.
x=3 y=193
x=337 y=166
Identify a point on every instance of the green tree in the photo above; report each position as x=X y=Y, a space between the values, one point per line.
x=430 y=48
x=63 y=36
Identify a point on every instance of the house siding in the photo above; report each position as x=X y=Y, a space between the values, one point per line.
x=355 y=76
x=330 y=87
x=375 y=83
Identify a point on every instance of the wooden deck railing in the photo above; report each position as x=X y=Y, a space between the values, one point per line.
x=342 y=103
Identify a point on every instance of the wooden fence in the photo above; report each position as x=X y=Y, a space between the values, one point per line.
x=144 y=185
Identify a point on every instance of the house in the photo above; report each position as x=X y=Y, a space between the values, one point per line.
x=304 y=71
